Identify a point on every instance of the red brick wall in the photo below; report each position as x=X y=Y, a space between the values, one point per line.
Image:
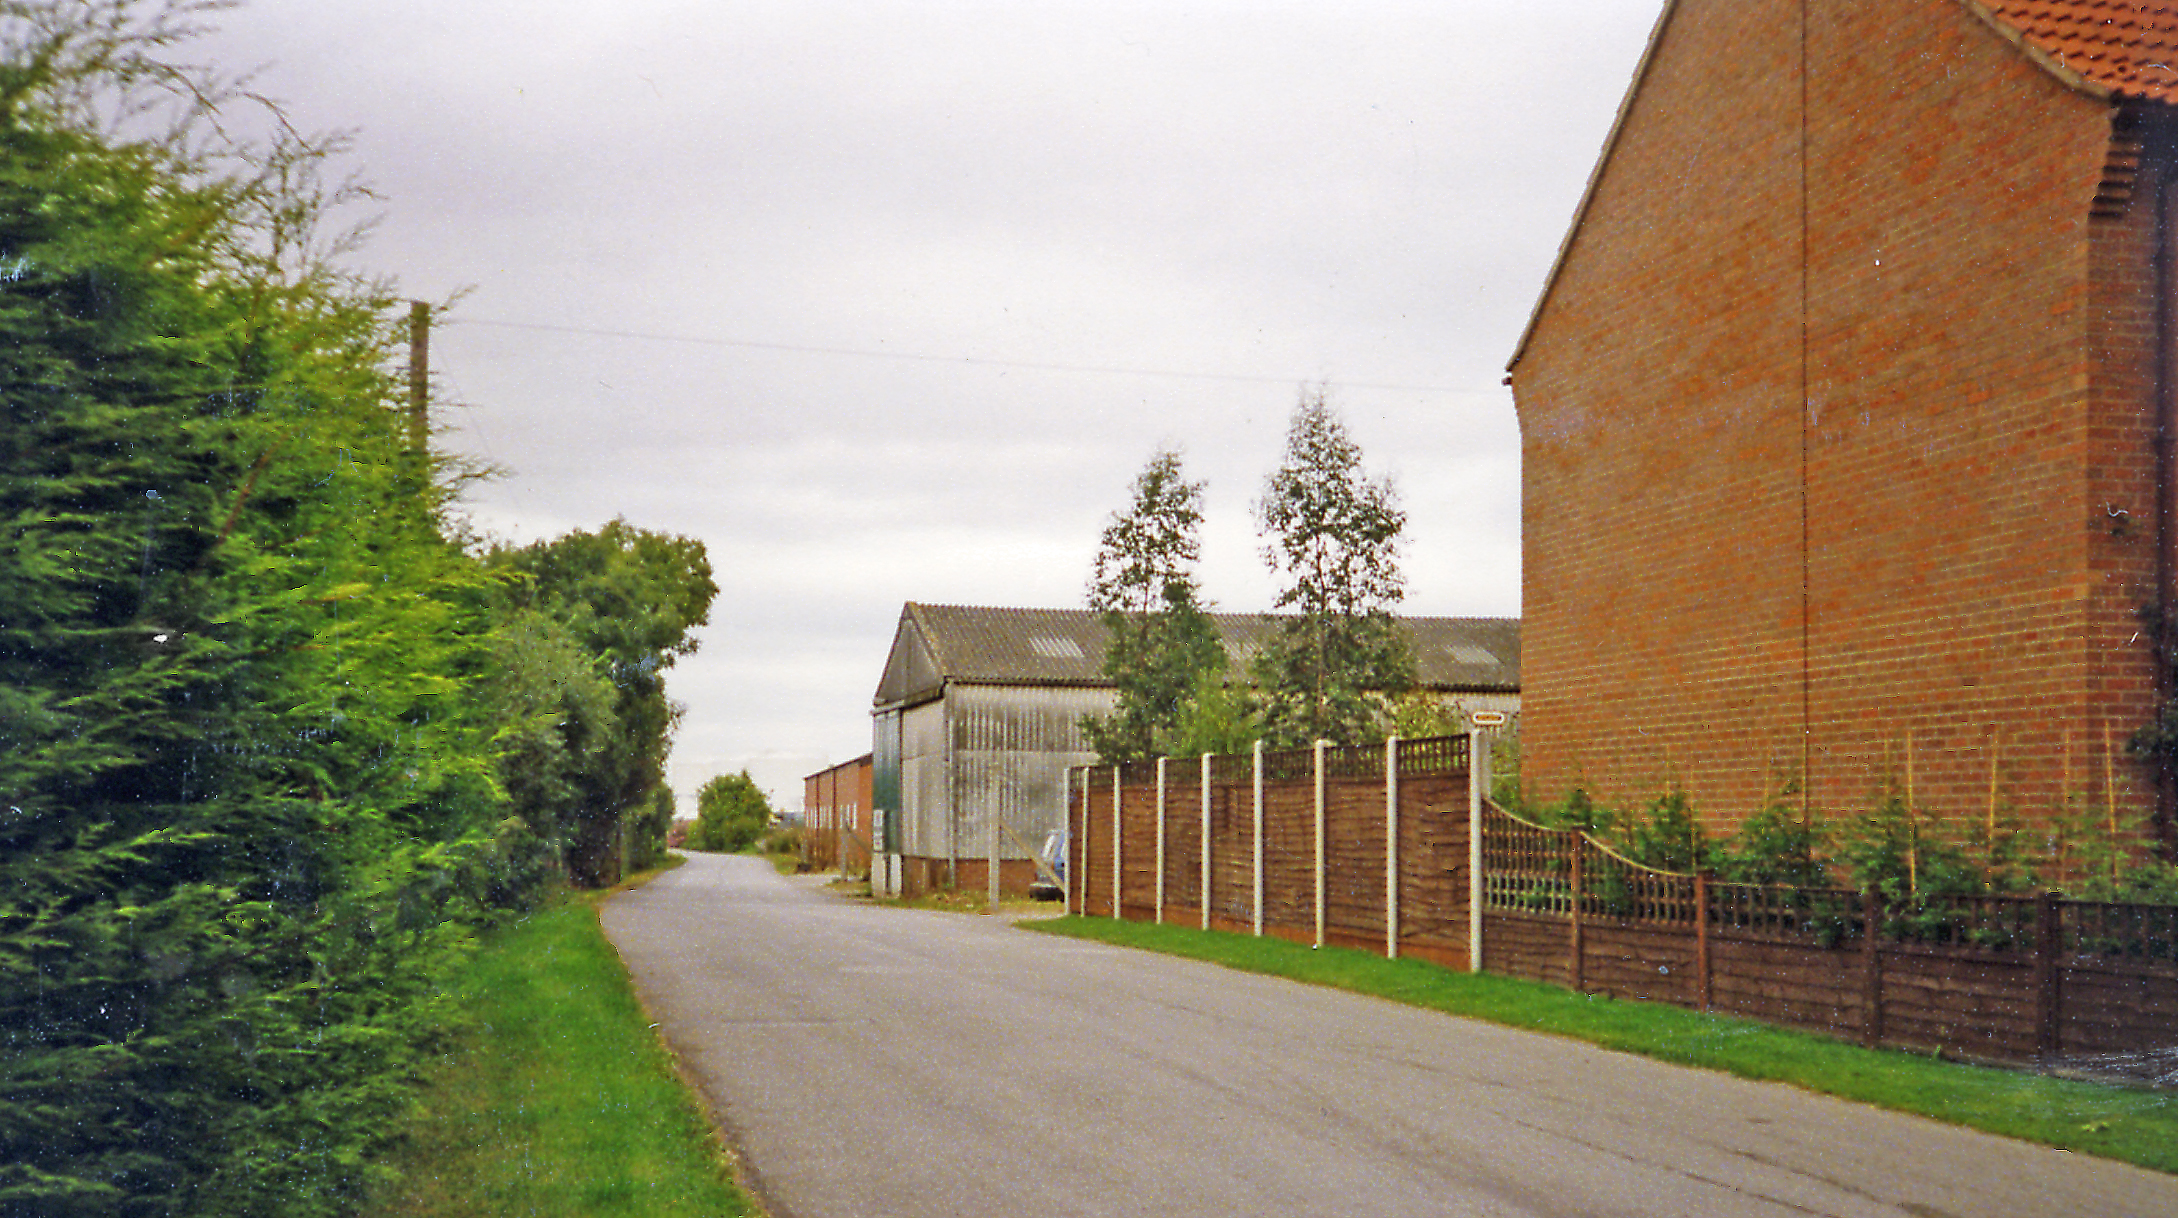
x=1934 y=526
x=836 y=807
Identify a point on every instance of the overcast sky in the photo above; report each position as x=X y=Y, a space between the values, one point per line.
x=889 y=301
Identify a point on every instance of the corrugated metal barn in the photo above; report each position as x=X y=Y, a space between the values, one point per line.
x=978 y=716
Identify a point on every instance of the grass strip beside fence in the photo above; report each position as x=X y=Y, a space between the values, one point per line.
x=2130 y=1125
x=559 y=1099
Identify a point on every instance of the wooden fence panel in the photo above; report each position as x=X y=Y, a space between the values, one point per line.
x=1289 y=856
x=1799 y=984
x=1525 y=945
x=2121 y=1008
x=1433 y=867
x=1091 y=849
x=1628 y=959
x=1232 y=850
x=1138 y=848
x=1183 y=841
x=1354 y=883
x=1981 y=1006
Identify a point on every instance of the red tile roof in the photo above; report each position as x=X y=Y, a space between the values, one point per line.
x=2126 y=47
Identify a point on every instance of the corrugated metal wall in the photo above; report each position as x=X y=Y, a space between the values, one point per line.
x=923 y=829
x=1011 y=749
x=885 y=793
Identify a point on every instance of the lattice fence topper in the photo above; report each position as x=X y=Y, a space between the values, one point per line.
x=1528 y=868
x=1422 y=755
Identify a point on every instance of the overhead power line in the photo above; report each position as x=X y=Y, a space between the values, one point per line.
x=924 y=358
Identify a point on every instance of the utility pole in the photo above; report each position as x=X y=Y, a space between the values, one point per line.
x=419 y=377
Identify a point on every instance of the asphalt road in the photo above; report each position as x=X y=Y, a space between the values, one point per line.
x=894 y=1063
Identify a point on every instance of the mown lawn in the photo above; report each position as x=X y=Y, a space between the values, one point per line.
x=2131 y=1125
x=559 y=1099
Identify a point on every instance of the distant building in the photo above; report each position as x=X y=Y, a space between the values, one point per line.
x=836 y=806
x=978 y=716
x=1847 y=413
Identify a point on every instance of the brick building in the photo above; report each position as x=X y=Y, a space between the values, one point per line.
x=836 y=805
x=1841 y=411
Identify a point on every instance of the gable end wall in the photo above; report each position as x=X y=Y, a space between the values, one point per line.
x=1724 y=591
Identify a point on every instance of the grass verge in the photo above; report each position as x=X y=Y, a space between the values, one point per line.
x=559 y=1098
x=2130 y=1125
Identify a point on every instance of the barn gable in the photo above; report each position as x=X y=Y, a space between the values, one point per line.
x=912 y=672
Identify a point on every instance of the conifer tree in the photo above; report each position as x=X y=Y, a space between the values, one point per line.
x=246 y=809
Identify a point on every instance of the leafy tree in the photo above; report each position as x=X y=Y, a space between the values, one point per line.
x=1216 y=717
x=1333 y=534
x=1143 y=588
x=630 y=601
x=647 y=836
x=558 y=723
x=1417 y=714
x=731 y=813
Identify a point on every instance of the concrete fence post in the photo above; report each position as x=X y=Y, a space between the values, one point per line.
x=1203 y=787
x=1391 y=848
x=1321 y=852
x=1477 y=750
x=1259 y=838
x=1159 y=903
x=1119 y=839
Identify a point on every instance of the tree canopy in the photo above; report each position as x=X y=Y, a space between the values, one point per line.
x=731 y=813
x=1332 y=535
x=596 y=620
x=1161 y=645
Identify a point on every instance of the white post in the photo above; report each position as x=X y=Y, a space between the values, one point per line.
x=1259 y=838
x=1320 y=852
x=1391 y=848
x=997 y=853
x=1478 y=782
x=1204 y=786
x=1116 y=841
x=1066 y=801
x=1160 y=901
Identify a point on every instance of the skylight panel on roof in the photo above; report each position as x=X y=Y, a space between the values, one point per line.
x=1469 y=653
x=1055 y=649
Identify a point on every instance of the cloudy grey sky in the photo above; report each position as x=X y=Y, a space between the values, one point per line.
x=889 y=301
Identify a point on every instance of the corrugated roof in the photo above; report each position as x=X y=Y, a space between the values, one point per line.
x=1041 y=646
x=2126 y=48
x=997 y=646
